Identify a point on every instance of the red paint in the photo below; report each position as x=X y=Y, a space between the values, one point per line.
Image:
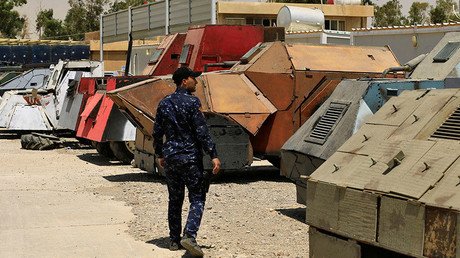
x=220 y=43
x=169 y=60
x=97 y=106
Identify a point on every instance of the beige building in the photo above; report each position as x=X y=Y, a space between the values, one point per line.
x=115 y=54
x=337 y=17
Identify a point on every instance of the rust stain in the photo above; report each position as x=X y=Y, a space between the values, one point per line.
x=443 y=199
x=440 y=233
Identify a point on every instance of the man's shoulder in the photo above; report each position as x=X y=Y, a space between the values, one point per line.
x=190 y=99
x=163 y=101
x=194 y=98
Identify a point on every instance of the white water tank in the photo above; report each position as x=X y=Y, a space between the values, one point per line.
x=295 y=19
x=348 y=2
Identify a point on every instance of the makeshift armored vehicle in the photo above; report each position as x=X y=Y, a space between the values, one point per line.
x=37 y=103
x=209 y=47
x=353 y=102
x=253 y=108
x=392 y=190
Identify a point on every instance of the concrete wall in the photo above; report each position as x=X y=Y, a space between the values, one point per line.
x=320 y=37
x=406 y=43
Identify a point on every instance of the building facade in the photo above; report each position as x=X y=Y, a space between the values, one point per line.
x=337 y=17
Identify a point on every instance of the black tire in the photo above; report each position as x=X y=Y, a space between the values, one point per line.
x=25 y=139
x=86 y=142
x=122 y=152
x=34 y=142
x=103 y=148
x=275 y=160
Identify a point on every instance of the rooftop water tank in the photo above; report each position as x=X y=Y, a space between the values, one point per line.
x=295 y=19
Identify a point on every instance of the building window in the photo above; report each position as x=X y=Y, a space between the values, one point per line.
x=342 y=25
x=235 y=21
x=267 y=22
x=334 y=25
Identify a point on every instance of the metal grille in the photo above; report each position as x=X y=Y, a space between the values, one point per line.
x=447 y=52
x=150 y=20
x=450 y=129
x=327 y=122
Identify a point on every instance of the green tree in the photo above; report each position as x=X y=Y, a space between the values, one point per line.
x=444 y=11
x=12 y=22
x=389 y=14
x=437 y=15
x=83 y=16
x=25 y=34
x=123 y=5
x=418 y=13
x=368 y=2
x=94 y=8
x=42 y=17
x=49 y=27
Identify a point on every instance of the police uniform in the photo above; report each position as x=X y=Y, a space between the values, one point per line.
x=179 y=119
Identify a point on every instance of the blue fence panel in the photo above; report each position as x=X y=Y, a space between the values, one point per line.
x=41 y=54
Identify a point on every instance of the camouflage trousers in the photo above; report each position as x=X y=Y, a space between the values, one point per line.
x=181 y=174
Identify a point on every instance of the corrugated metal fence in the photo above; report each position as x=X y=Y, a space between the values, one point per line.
x=36 y=54
x=155 y=19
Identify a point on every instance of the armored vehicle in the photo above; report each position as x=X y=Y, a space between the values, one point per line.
x=392 y=189
x=253 y=108
x=37 y=103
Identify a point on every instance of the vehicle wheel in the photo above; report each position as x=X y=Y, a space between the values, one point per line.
x=275 y=160
x=122 y=151
x=86 y=142
x=103 y=148
x=35 y=142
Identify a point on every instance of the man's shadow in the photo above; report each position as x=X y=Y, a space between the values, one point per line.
x=163 y=242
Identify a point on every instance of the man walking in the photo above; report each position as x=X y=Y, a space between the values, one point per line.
x=179 y=119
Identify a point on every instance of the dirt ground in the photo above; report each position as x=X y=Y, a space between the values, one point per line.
x=249 y=213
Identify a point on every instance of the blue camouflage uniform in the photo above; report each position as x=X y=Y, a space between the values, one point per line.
x=179 y=119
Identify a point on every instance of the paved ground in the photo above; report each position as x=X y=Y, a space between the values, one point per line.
x=47 y=211
x=72 y=202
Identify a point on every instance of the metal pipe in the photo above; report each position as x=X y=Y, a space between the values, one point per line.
x=130 y=41
x=101 y=39
x=395 y=69
x=167 y=17
x=407 y=67
x=213 y=12
x=189 y=11
x=223 y=64
x=414 y=62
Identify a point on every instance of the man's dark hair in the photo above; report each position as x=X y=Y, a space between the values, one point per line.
x=183 y=73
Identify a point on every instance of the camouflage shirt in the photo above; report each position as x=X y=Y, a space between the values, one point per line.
x=179 y=118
